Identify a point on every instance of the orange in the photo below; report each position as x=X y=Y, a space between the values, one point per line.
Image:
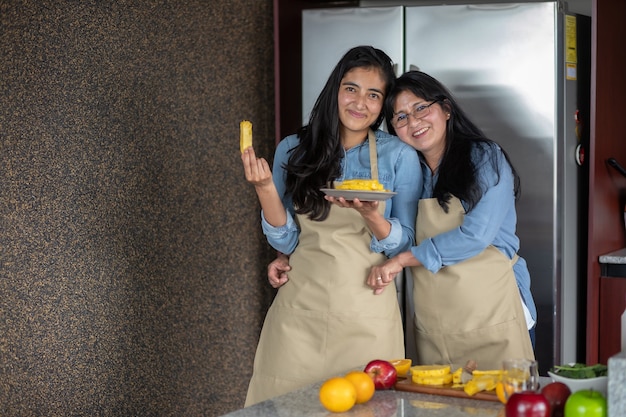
x=501 y=392
x=364 y=385
x=402 y=366
x=338 y=394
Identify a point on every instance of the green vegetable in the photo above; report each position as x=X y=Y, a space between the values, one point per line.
x=580 y=371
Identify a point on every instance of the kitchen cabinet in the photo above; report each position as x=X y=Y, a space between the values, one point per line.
x=605 y=295
x=613 y=294
x=613 y=302
x=288 y=60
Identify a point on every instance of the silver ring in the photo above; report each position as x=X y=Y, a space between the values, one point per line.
x=379 y=278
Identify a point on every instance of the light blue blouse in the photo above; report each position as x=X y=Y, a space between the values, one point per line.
x=398 y=170
x=491 y=222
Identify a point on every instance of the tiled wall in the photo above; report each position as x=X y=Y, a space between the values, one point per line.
x=132 y=265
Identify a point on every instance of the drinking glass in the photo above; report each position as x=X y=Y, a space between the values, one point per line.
x=519 y=375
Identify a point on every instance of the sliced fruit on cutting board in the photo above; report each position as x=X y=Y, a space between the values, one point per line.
x=447 y=390
x=430 y=370
x=433 y=380
x=456 y=376
x=494 y=372
x=481 y=383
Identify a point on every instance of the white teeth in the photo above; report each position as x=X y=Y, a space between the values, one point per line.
x=419 y=132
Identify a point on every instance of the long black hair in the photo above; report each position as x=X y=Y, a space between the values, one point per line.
x=457 y=170
x=317 y=159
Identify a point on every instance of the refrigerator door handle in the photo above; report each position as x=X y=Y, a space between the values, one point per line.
x=613 y=162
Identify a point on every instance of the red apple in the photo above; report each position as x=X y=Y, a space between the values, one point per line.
x=586 y=403
x=527 y=404
x=556 y=393
x=382 y=372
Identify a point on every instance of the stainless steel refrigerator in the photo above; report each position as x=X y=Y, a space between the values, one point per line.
x=521 y=71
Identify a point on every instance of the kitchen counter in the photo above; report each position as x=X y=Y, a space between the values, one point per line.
x=614 y=264
x=305 y=403
x=617 y=257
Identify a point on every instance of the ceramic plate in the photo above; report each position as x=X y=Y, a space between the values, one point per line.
x=360 y=194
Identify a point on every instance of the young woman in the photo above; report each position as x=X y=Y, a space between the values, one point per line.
x=471 y=290
x=325 y=319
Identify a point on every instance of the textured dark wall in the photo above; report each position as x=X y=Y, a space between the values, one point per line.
x=132 y=265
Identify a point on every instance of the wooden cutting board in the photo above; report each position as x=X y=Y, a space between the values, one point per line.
x=406 y=384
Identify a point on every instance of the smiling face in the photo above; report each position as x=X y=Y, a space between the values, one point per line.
x=360 y=102
x=426 y=134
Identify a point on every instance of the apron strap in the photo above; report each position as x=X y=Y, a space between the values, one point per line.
x=373 y=154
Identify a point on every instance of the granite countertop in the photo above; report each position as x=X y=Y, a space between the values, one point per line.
x=613 y=265
x=305 y=403
x=617 y=257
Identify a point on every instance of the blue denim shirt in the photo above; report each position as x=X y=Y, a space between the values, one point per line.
x=491 y=222
x=398 y=170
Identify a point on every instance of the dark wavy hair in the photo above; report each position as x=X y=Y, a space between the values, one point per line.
x=457 y=170
x=317 y=159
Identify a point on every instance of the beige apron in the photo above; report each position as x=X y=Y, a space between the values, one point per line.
x=325 y=320
x=470 y=310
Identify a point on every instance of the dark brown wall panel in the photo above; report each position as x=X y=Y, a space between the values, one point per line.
x=132 y=264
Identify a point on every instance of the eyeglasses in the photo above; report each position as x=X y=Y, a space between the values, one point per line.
x=402 y=119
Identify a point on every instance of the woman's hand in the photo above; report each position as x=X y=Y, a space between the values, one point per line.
x=277 y=271
x=382 y=275
x=366 y=208
x=379 y=226
x=259 y=174
x=257 y=170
